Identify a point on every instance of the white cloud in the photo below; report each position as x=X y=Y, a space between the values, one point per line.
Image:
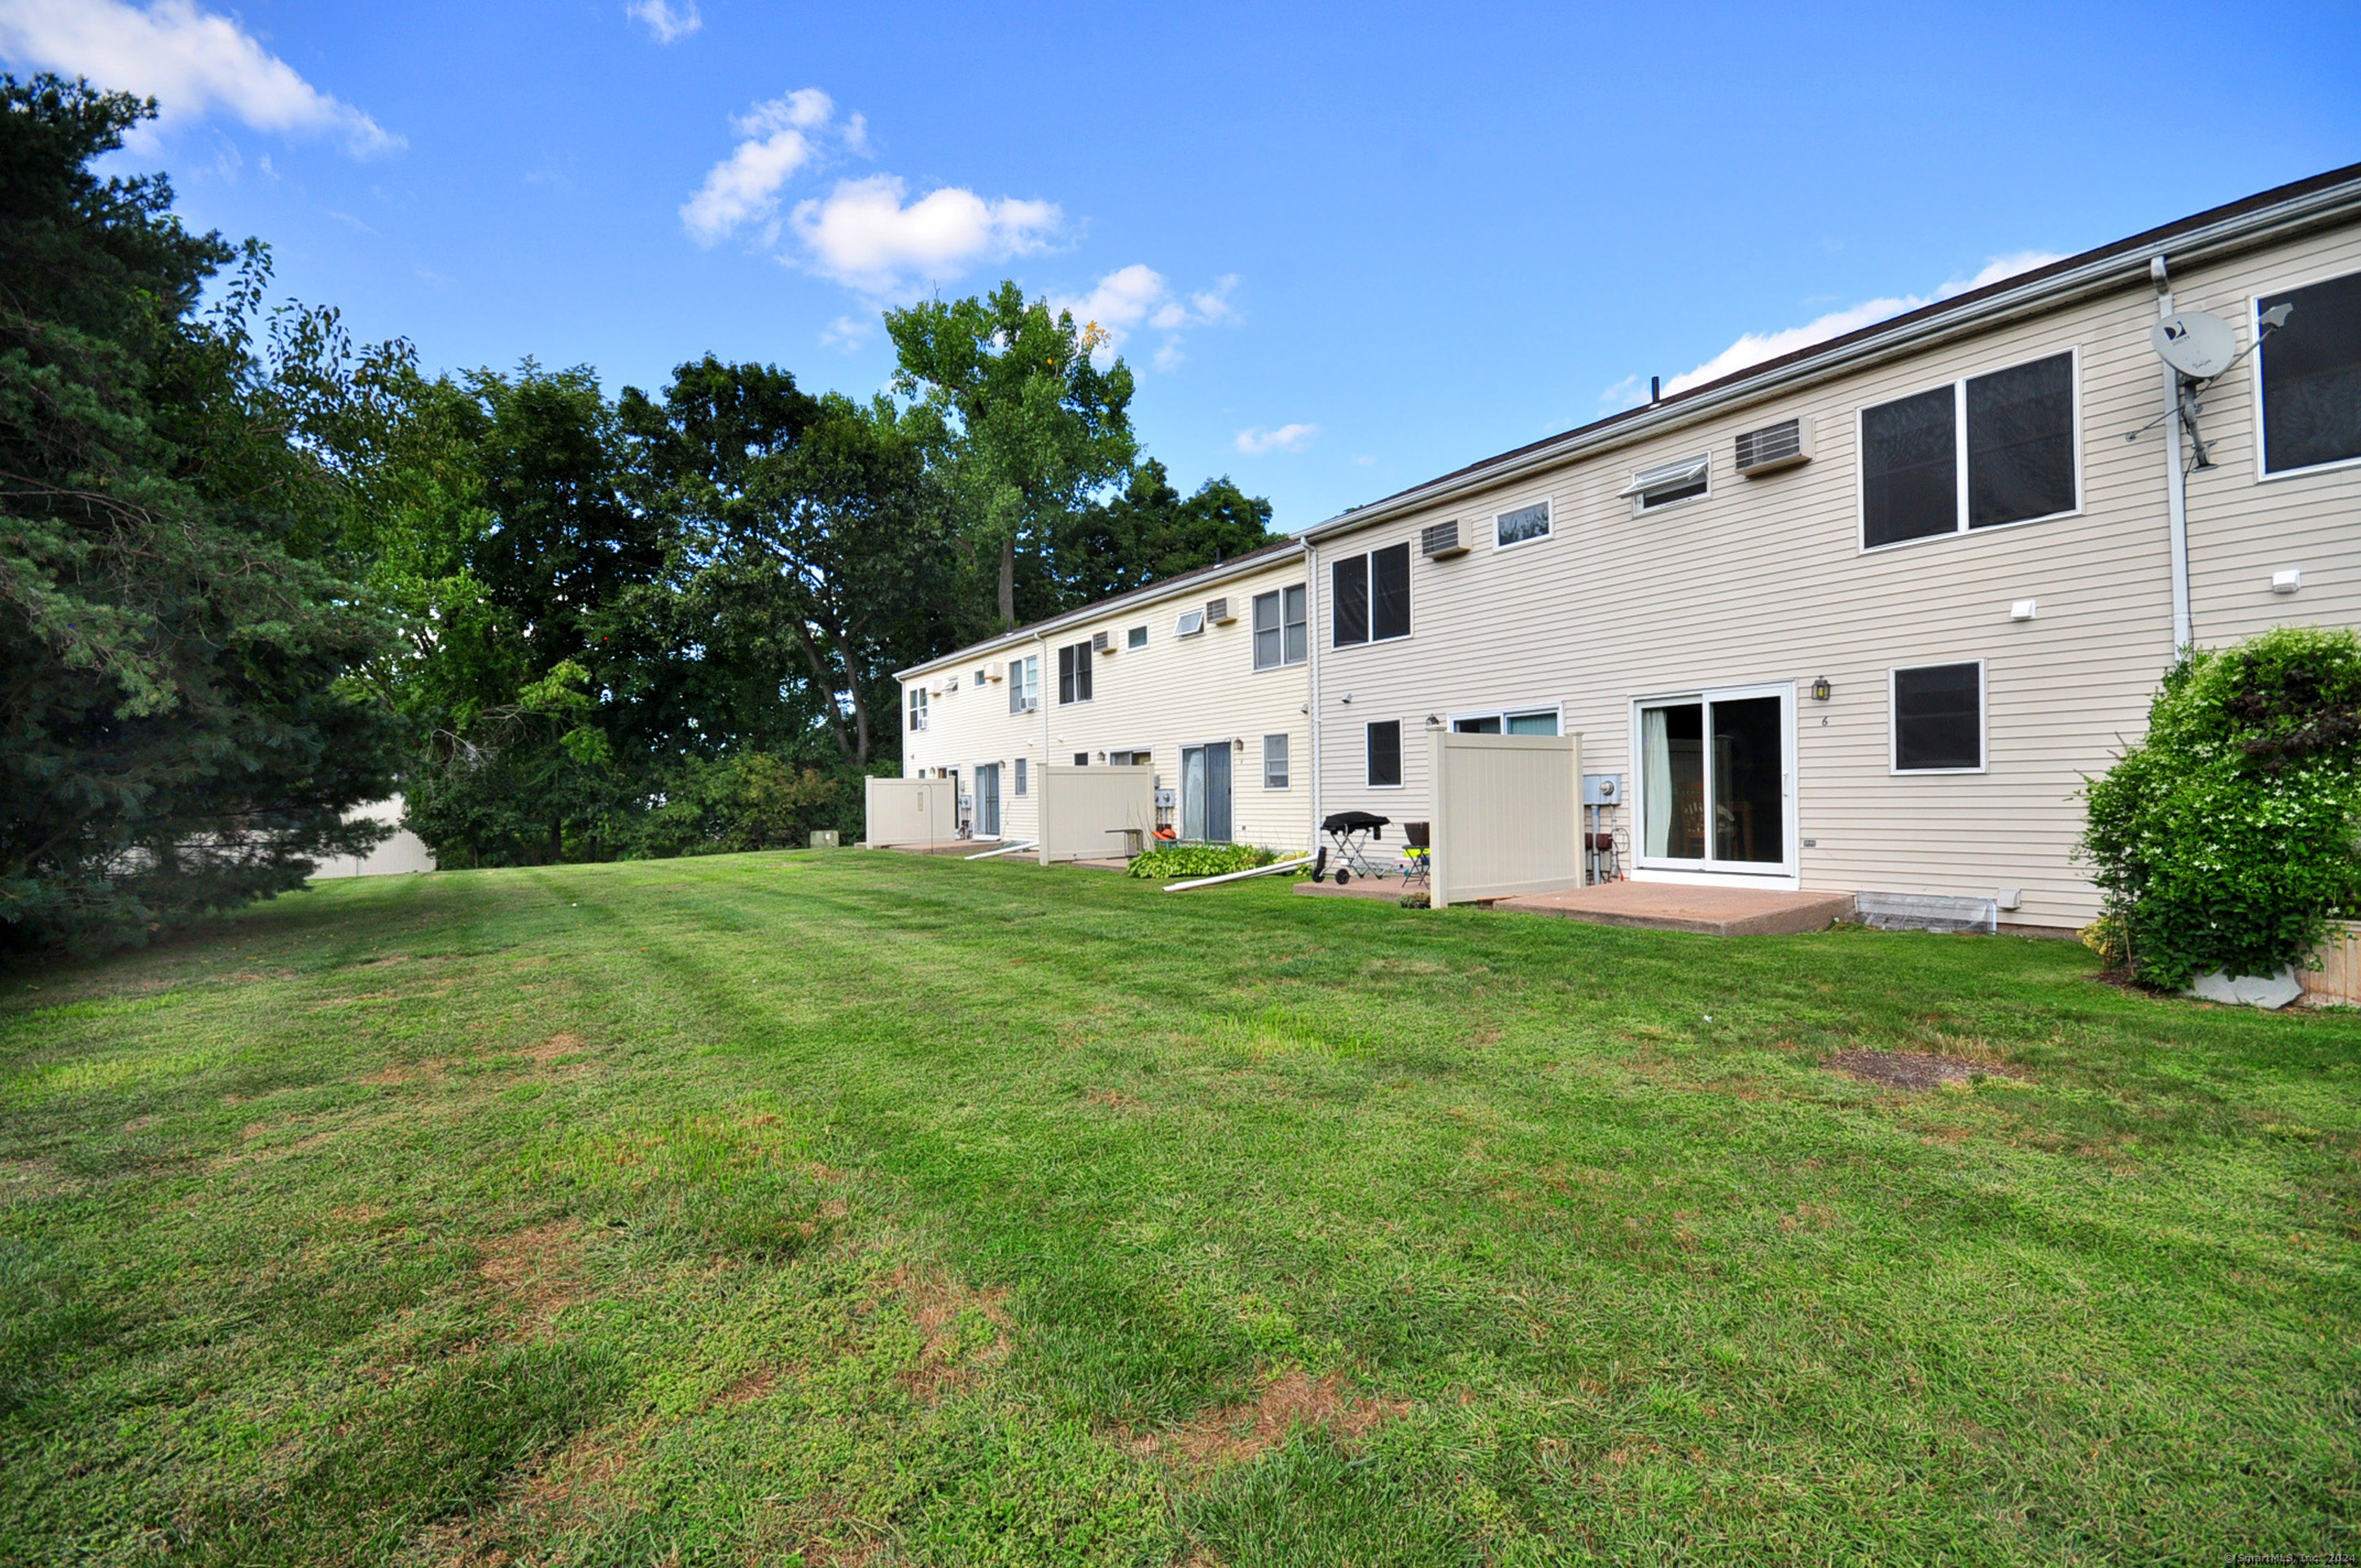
x=1137 y=296
x=1754 y=348
x=1257 y=442
x=190 y=61
x=780 y=138
x=667 y=22
x=847 y=333
x=864 y=234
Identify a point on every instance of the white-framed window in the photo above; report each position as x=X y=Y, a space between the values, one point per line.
x=1279 y=634
x=1191 y=623
x=1684 y=479
x=1021 y=771
x=1981 y=452
x=1024 y=684
x=1136 y=637
x=1274 y=762
x=2308 y=378
x=1129 y=758
x=1521 y=525
x=981 y=678
x=1074 y=674
x=1371 y=596
x=1938 y=717
x=1385 y=755
x=1506 y=722
x=918 y=708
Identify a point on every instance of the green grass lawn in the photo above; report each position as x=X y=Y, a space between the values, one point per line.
x=888 y=1210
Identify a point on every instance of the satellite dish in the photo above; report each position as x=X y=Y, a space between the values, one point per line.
x=2200 y=346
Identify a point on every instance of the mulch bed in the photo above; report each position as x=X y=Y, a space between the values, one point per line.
x=1911 y=1069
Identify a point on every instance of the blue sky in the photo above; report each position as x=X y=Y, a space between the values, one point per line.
x=1347 y=248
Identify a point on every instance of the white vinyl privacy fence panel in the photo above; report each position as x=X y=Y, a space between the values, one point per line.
x=911 y=811
x=1508 y=815
x=1085 y=810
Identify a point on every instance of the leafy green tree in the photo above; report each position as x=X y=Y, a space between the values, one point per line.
x=1027 y=427
x=1151 y=532
x=179 y=735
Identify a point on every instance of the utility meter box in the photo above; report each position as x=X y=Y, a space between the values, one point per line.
x=1602 y=789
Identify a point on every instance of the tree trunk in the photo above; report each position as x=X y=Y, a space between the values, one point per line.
x=821 y=678
x=1008 y=582
x=859 y=703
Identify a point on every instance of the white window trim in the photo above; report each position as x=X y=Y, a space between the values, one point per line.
x=1557 y=709
x=1401 y=753
x=1639 y=497
x=1136 y=637
x=1710 y=873
x=1370 y=601
x=2254 y=331
x=1180 y=627
x=1284 y=662
x=1894 y=721
x=1288 y=737
x=1861 y=546
x=1085 y=653
x=1549 y=524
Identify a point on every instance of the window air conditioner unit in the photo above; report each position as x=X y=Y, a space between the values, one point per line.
x=1101 y=642
x=1441 y=542
x=996 y=671
x=1192 y=622
x=1774 y=446
x=1218 y=612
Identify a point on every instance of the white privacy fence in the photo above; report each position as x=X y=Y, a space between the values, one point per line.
x=911 y=811
x=1084 y=811
x=1508 y=815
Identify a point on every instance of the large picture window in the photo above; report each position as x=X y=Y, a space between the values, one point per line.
x=2310 y=371
x=1939 y=719
x=1370 y=599
x=1984 y=451
x=1075 y=673
x=1278 y=629
x=1385 y=755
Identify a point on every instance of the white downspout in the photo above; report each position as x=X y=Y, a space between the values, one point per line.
x=2176 y=476
x=1311 y=634
x=1041 y=782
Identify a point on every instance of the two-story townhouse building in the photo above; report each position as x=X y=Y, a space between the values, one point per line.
x=1203 y=677
x=1864 y=617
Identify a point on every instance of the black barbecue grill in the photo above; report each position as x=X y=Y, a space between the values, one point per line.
x=1350 y=832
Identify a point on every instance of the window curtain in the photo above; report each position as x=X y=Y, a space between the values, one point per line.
x=1656 y=779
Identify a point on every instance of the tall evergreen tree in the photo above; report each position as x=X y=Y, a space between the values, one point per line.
x=177 y=734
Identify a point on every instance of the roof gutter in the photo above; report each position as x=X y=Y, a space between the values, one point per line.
x=1136 y=599
x=2118 y=270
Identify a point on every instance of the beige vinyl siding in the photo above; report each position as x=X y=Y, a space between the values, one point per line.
x=1764 y=581
x=1175 y=692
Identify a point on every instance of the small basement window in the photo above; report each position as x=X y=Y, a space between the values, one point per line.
x=1939 y=719
x=1669 y=482
x=2311 y=375
x=1385 y=755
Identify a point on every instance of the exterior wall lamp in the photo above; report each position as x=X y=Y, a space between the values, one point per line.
x=1821 y=690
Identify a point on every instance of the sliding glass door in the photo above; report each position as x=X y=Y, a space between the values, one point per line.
x=1714 y=769
x=1205 y=793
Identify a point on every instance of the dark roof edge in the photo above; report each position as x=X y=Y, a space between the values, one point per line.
x=1198 y=576
x=2219 y=231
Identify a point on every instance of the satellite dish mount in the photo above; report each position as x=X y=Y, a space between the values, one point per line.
x=2202 y=348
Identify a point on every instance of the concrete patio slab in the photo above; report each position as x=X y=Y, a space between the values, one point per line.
x=1390 y=889
x=1672 y=906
